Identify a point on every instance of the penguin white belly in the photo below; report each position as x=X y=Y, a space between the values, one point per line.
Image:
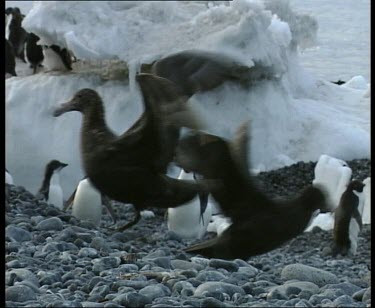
x=8 y=178
x=334 y=176
x=324 y=221
x=8 y=20
x=354 y=227
x=366 y=216
x=55 y=196
x=87 y=204
x=52 y=60
x=219 y=224
x=185 y=220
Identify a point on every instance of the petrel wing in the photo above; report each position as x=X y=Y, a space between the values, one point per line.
x=239 y=148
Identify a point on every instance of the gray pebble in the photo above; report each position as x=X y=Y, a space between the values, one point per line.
x=88 y=304
x=276 y=294
x=249 y=271
x=100 y=291
x=105 y=263
x=154 y=291
x=67 y=303
x=359 y=295
x=343 y=301
x=88 y=252
x=303 y=303
x=228 y=265
x=210 y=276
x=213 y=286
x=212 y=302
x=112 y=305
x=132 y=299
x=308 y=273
x=53 y=223
x=347 y=287
x=367 y=295
x=19 y=293
x=186 y=265
x=18 y=234
x=99 y=244
x=21 y=274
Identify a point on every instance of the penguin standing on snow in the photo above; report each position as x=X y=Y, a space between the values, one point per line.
x=56 y=58
x=347 y=209
x=51 y=190
x=16 y=34
x=10 y=59
x=33 y=52
x=191 y=219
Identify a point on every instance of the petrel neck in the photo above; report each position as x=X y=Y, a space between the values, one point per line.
x=94 y=118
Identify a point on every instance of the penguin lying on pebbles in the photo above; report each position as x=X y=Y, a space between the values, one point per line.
x=33 y=52
x=10 y=59
x=51 y=190
x=190 y=220
x=56 y=58
x=347 y=209
x=259 y=224
x=131 y=168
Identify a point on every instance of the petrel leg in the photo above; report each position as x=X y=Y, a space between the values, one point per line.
x=130 y=224
x=107 y=203
x=68 y=204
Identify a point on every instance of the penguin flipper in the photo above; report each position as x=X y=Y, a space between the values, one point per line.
x=239 y=148
x=358 y=218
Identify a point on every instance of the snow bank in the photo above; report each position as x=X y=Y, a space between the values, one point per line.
x=294 y=118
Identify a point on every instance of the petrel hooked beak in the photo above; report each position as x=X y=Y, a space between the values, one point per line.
x=65 y=107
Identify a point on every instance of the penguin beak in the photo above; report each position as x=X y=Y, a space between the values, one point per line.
x=62 y=165
x=66 y=107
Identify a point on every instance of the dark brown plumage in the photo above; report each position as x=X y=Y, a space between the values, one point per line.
x=131 y=168
x=197 y=70
x=259 y=224
x=347 y=209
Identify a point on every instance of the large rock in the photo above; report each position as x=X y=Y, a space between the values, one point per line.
x=19 y=293
x=308 y=273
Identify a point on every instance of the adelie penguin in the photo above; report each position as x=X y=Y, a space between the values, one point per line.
x=10 y=59
x=259 y=224
x=86 y=202
x=56 y=58
x=190 y=220
x=131 y=168
x=51 y=190
x=16 y=34
x=33 y=52
x=347 y=209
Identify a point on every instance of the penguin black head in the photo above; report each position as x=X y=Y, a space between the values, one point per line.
x=55 y=165
x=82 y=101
x=355 y=185
x=32 y=37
